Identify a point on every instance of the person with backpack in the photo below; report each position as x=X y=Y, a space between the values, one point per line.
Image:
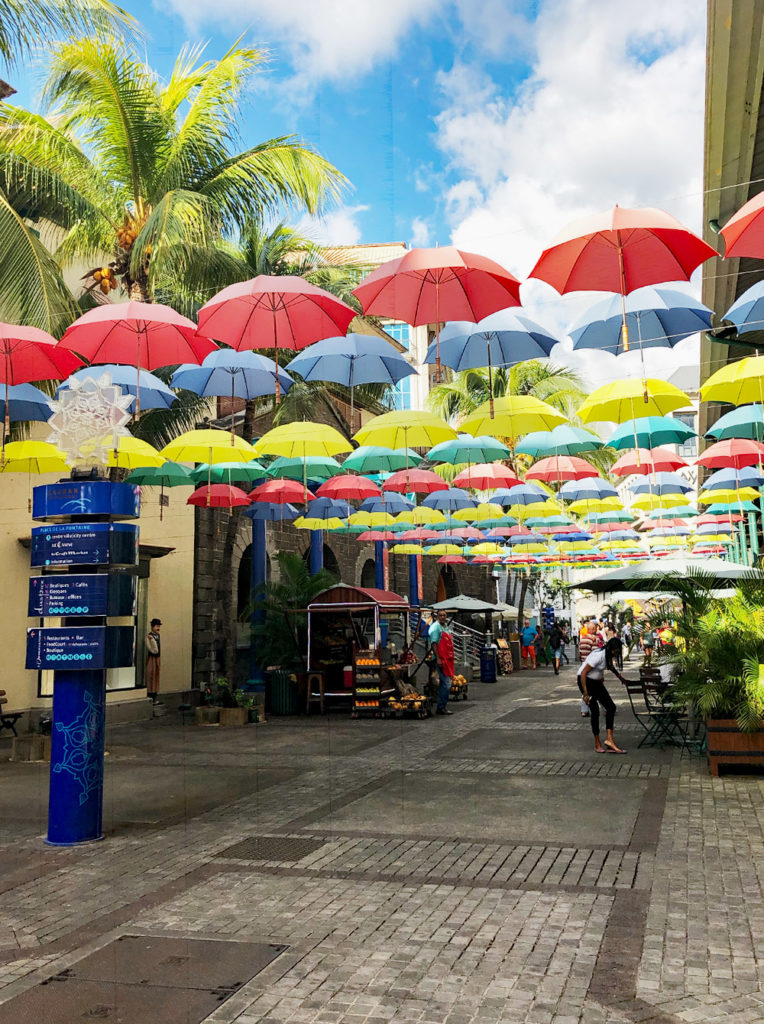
x=591 y=683
x=556 y=642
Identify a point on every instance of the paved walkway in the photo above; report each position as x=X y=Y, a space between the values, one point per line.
x=487 y=867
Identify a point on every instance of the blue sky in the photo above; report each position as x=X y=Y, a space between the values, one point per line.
x=484 y=123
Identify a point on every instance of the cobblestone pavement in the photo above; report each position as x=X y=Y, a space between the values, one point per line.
x=487 y=867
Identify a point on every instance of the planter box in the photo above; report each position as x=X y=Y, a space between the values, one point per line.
x=728 y=745
x=234 y=716
x=206 y=715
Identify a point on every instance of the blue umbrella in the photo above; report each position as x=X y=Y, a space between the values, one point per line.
x=449 y=501
x=657 y=317
x=231 y=374
x=271 y=511
x=589 y=488
x=623 y=535
x=390 y=502
x=746 y=421
x=747 y=312
x=731 y=479
x=522 y=494
x=527 y=538
x=670 y=531
x=326 y=508
x=352 y=359
x=155 y=394
x=25 y=402
x=715 y=528
x=574 y=536
x=660 y=483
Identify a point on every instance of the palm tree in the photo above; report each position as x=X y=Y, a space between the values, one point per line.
x=140 y=179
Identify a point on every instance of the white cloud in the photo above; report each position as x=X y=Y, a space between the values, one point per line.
x=338 y=227
x=611 y=113
x=420 y=232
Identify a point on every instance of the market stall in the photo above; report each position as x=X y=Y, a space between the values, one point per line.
x=345 y=656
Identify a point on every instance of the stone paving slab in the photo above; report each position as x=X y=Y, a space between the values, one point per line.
x=534 y=741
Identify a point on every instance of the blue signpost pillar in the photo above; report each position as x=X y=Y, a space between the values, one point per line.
x=379 y=564
x=85 y=556
x=257 y=584
x=413 y=582
x=316 y=551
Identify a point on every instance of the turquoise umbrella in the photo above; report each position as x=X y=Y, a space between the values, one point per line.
x=468 y=449
x=563 y=440
x=650 y=432
x=746 y=421
x=230 y=472
x=169 y=474
x=370 y=458
x=312 y=467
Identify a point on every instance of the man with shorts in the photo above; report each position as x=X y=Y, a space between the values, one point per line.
x=528 y=642
x=442 y=647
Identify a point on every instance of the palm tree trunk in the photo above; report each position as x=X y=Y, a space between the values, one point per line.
x=138 y=292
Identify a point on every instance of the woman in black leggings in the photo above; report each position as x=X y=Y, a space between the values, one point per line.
x=591 y=683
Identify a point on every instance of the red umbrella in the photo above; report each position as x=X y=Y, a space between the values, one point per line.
x=28 y=354
x=641 y=461
x=429 y=286
x=559 y=468
x=452 y=560
x=465 y=532
x=374 y=535
x=716 y=517
x=348 y=488
x=218 y=496
x=146 y=335
x=737 y=452
x=486 y=477
x=281 y=492
x=621 y=250
x=284 y=312
x=744 y=232
x=420 y=533
x=607 y=527
x=414 y=481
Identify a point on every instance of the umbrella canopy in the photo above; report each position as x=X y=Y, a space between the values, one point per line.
x=747 y=312
x=169 y=474
x=231 y=374
x=421 y=515
x=589 y=487
x=131 y=453
x=155 y=394
x=737 y=383
x=562 y=440
x=281 y=312
x=230 y=472
x=449 y=559
x=745 y=421
x=348 y=488
x=405 y=428
x=513 y=416
x=271 y=511
x=326 y=508
x=743 y=233
x=642 y=461
x=656 y=318
x=731 y=496
x=587 y=506
x=626 y=399
x=450 y=500
x=299 y=440
x=736 y=453
x=654 y=577
x=660 y=483
x=463 y=603
x=415 y=481
x=465 y=448
x=319 y=523
x=25 y=402
x=650 y=432
x=218 y=496
x=724 y=479
x=557 y=468
x=501 y=339
x=388 y=501
x=311 y=467
x=281 y=492
x=486 y=477
x=419 y=533
x=522 y=494
x=647 y=502
x=351 y=360
x=378 y=459
x=33 y=457
x=485 y=512
x=210 y=446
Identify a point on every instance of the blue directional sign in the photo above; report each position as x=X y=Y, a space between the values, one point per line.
x=68 y=594
x=85 y=544
x=76 y=648
x=75 y=498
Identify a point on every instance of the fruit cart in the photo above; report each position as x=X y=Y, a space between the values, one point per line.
x=367 y=685
x=460 y=688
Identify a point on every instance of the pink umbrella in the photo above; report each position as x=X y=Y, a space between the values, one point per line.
x=146 y=335
x=284 y=312
x=218 y=496
x=452 y=560
x=559 y=468
x=737 y=452
x=348 y=488
x=486 y=477
x=28 y=354
x=428 y=286
x=621 y=250
x=420 y=533
x=415 y=481
x=375 y=535
x=281 y=492
x=642 y=461
x=743 y=233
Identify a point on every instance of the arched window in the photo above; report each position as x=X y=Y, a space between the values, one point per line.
x=369 y=573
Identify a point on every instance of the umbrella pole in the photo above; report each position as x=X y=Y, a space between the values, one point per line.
x=278 y=384
x=641 y=348
x=161 y=496
x=209 y=476
x=490 y=374
x=352 y=368
x=622 y=272
x=7 y=413
x=438 y=371
x=233 y=390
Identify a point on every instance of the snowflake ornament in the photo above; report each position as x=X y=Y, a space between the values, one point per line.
x=89 y=416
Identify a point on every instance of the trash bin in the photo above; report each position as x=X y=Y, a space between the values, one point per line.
x=283 y=693
x=488 y=661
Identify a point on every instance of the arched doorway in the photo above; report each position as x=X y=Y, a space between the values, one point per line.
x=330 y=562
x=369 y=573
x=448 y=585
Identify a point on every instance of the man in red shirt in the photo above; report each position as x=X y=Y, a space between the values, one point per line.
x=442 y=646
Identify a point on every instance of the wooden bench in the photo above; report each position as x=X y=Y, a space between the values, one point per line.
x=8 y=719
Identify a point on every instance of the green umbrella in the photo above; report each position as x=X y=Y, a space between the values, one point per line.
x=468 y=449
x=370 y=458
x=312 y=467
x=650 y=432
x=615 y=516
x=169 y=474
x=229 y=472
x=563 y=440
x=746 y=421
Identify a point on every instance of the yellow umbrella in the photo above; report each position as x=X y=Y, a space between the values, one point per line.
x=529 y=547
x=648 y=502
x=445 y=549
x=632 y=399
x=422 y=515
x=513 y=416
x=132 y=453
x=486 y=510
x=300 y=440
x=578 y=545
x=314 y=523
x=405 y=429
x=666 y=542
x=728 y=497
x=210 y=446
x=536 y=509
x=737 y=383
x=407 y=549
x=371 y=519
x=711 y=538
x=487 y=548
x=33 y=457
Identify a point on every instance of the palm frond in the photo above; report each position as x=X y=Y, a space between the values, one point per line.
x=24 y=26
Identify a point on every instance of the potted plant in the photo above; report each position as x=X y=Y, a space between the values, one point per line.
x=717 y=647
x=246 y=701
x=215 y=698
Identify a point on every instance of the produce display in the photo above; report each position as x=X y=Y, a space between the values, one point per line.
x=367 y=691
x=459 y=688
